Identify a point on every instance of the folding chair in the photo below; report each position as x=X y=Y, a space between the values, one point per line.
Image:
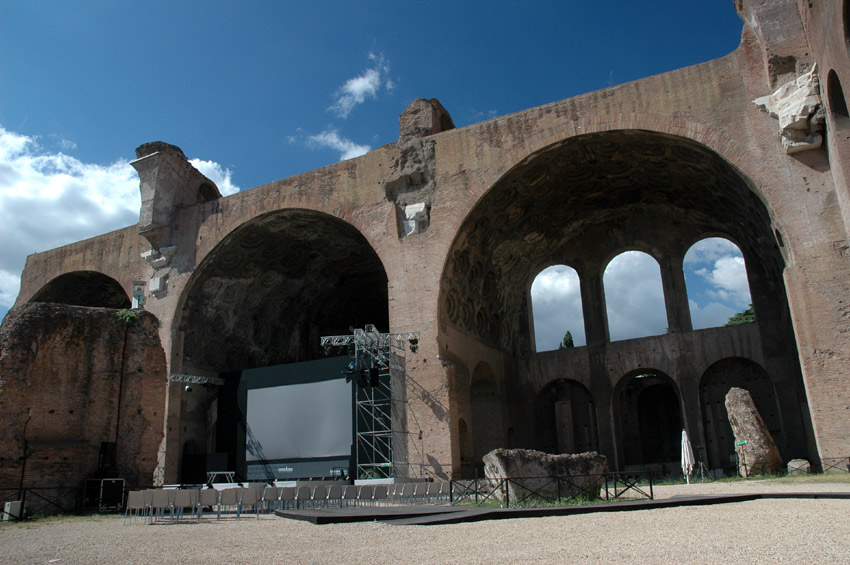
x=432 y=493
x=365 y=494
x=379 y=494
x=136 y=503
x=160 y=500
x=184 y=498
x=208 y=497
x=349 y=494
x=421 y=492
x=445 y=490
x=303 y=496
x=271 y=498
x=407 y=492
x=391 y=490
x=334 y=496
x=320 y=496
x=249 y=497
x=228 y=497
x=287 y=496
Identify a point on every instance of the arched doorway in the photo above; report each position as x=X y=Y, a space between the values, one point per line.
x=714 y=386
x=650 y=420
x=565 y=418
x=84 y=288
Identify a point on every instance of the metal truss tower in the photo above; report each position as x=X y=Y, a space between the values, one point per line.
x=378 y=369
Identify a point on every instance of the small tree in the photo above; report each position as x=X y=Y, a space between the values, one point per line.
x=567 y=342
x=744 y=317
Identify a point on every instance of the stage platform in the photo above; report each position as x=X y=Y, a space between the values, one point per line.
x=423 y=515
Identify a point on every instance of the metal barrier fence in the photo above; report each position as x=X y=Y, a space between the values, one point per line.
x=38 y=501
x=835 y=464
x=543 y=491
x=824 y=465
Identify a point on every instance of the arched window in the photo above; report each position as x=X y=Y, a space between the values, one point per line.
x=556 y=308
x=634 y=296
x=716 y=279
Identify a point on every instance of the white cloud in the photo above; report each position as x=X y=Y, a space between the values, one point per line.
x=49 y=199
x=720 y=263
x=730 y=277
x=331 y=138
x=710 y=249
x=218 y=174
x=367 y=85
x=634 y=296
x=556 y=301
x=712 y=315
x=718 y=287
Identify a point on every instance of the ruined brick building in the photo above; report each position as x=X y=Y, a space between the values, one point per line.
x=442 y=232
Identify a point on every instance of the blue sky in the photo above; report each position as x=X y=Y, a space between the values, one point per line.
x=259 y=91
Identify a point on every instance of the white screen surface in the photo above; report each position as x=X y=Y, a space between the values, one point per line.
x=299 y=421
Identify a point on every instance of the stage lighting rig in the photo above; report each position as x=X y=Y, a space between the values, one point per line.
x=377 y=366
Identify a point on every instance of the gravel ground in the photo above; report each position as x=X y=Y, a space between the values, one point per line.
x=796 y=530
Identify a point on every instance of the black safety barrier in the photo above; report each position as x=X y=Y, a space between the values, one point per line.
x=542 y=491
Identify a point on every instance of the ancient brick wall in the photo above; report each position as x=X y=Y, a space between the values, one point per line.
x=71 y=378
x=704 y=112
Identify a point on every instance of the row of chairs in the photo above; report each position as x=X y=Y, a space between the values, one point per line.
x=346 y=496
x=420 y=493
x=153 y=504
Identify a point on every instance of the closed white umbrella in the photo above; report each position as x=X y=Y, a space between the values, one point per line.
x=687 y=457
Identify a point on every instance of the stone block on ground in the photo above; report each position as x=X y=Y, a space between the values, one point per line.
x=799 y=467
x=756 y=450
x=543 y=475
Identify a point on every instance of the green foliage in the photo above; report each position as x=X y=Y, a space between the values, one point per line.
x=127 y=317
x=744 y=317
x=567 y=342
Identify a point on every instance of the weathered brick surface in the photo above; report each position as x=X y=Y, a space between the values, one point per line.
x=62 y=369
x=707 y=106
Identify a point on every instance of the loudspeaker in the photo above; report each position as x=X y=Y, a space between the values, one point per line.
x=374 y=377
x=362 y=378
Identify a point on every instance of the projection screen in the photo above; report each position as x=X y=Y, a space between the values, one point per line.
x=299 y=419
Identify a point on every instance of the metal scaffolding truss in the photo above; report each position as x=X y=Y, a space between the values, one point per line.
x=377 y=359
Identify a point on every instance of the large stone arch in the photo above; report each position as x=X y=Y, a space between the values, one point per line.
x=744 y=162
x=84 y=288
x=283 y=277
x=264 y=296
x=583 y=200
x=586 y=196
